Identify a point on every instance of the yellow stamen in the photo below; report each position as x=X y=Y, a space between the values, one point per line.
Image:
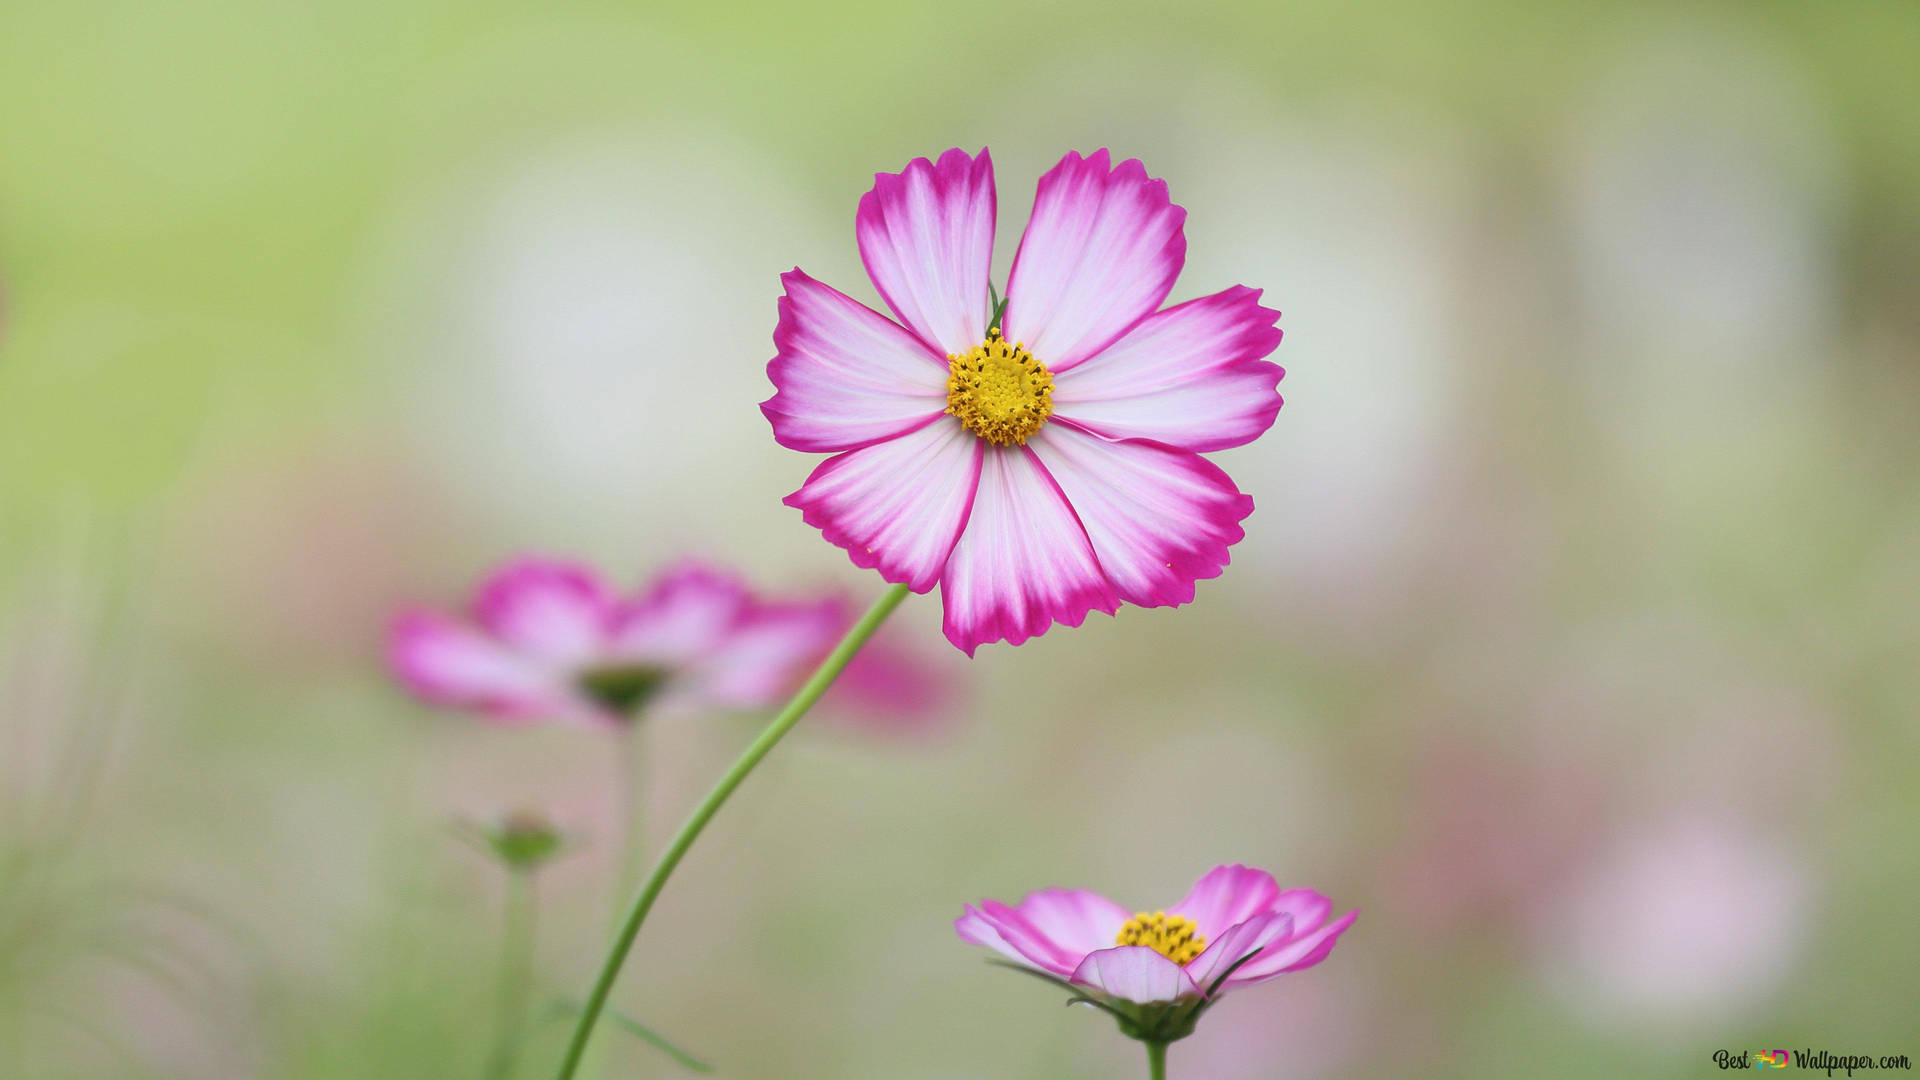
x=1175 y=937
x=1000 y=392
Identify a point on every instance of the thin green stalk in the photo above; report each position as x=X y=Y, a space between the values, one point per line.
x=630 y=782
x=516 y=971
x=823 y=677
x=1157 y=1061
x=633 y=813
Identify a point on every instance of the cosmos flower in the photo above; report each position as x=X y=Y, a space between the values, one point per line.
x=550 y=640
x=1157 y=971
x=1042 y=460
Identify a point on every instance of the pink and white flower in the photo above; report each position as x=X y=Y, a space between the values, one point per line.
x=1048 y=464
x=1158 y=970
x=550 y=640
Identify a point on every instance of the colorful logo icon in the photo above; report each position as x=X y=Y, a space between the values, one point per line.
x=1769 y=1059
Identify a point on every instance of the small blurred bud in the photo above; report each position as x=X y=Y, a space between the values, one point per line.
x=523 y=839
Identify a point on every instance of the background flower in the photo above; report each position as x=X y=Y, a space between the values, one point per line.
x=552 y=642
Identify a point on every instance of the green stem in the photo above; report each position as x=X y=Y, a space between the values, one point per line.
x=823 y=677
x=633 y=809
x=1157 y=1060
x=629 y=781
x=516 y=971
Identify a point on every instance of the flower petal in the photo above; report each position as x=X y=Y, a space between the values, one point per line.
x=1135 y=973
x=1258 y=932
x=926 y=236
x=1100 y=253
x=1004 y=929
x=1308 y=908
x=1160 y=518
x=766 y=655
x=685 y=614
x=557 y=611
x=975 y=928
x=1023 y=562
x=1077 y=920
x=447 y=663
x=1226 y=896
x=1302 y=951
x=844 y=375
x=897 y=506
x=1190 y=376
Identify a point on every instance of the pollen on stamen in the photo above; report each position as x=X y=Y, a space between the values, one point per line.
x=1175 y=937
x=1000 y=392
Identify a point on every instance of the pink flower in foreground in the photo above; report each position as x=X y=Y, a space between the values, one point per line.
x=1157 y=971
x=550 y=641
x=1047 y=466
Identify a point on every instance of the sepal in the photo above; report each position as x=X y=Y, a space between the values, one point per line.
x=523 y=840
x=1154 y=1022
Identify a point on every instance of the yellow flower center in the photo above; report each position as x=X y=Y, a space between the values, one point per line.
x=1175 y=937
x=1000 y=392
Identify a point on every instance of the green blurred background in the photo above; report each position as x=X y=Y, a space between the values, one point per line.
x=1573 y=641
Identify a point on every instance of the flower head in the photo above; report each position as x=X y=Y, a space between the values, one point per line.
x=549 y=640
x=1157 y=971
x=1040 y=464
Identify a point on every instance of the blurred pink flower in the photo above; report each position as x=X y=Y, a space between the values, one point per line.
x=550 y=640
x=891 y=688
x=1162 y=957
x=1694 y=918
x=949 y=470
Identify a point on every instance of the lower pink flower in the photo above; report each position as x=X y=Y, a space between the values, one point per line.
x=1158 y=970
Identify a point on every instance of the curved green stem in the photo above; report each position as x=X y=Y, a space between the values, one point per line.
x=516 y=971
x=1157 y=1060
x=823 y=677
